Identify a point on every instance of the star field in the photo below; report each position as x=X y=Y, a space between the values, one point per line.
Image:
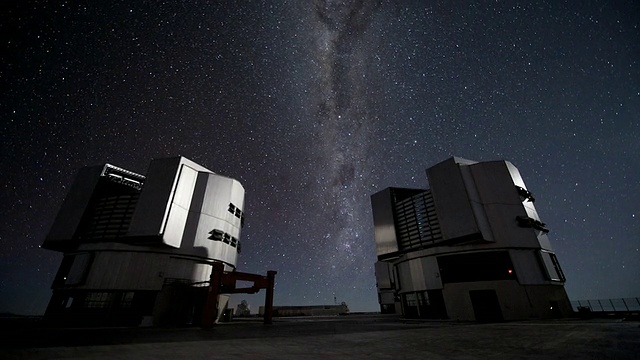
x=314 y=106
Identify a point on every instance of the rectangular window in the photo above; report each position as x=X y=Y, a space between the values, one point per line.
x=556 y=265
x=551 y=266
x=216 y=235
x=479 y=266
x=127 y=299
x=99 y=300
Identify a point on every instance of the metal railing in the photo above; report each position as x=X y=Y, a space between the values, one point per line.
x=608 y=305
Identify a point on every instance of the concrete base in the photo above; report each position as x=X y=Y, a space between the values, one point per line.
x=516 y=302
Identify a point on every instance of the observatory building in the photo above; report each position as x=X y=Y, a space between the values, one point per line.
x=471 y=247
x=135 y=247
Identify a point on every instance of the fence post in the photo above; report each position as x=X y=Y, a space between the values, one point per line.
x=268 y=299
x=625 y=304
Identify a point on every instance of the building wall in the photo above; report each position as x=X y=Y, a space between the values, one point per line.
x=488 y=228
x=516 y=302
x=455 y=213
x=419 y=274
x=181 y=218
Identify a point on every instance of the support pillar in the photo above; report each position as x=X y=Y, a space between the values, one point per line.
x=268 y=300
x=210 y=313
x=225 y=283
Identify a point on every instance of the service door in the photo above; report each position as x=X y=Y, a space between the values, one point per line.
x=486 y=306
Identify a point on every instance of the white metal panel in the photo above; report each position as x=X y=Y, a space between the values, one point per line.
x=236 y=197
x=383 y=272
x=217 y=250
x=527 y=267
x=79 y=269
x=219 y=193
x=223 y=252
x=385 y=235
x=531 y=210
x=384 y=227
x=101 y=272
x=181 y=268
x=431 y=273
x=201 y=272
x=544 y=242
x=158 y=194
x=404 y=275
x=217 y=197
x=184 y=187
x=125 y=270
x=417 y=274
x=476 y=203
x=153 y=206
x=515 y=174
x=455 y=214
x=517 y=180
x=549 y=267
x=175 y=226
x=179 y=209
x=502 y=203
x=237 y=194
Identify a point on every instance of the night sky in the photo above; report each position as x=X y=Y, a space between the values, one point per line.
x=314 y=106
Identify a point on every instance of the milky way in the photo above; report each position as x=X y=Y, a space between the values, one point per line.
x=343 y=122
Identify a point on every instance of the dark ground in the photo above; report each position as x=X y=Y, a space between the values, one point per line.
x=354 y=336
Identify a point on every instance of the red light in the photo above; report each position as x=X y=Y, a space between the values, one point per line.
x=510 y=271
